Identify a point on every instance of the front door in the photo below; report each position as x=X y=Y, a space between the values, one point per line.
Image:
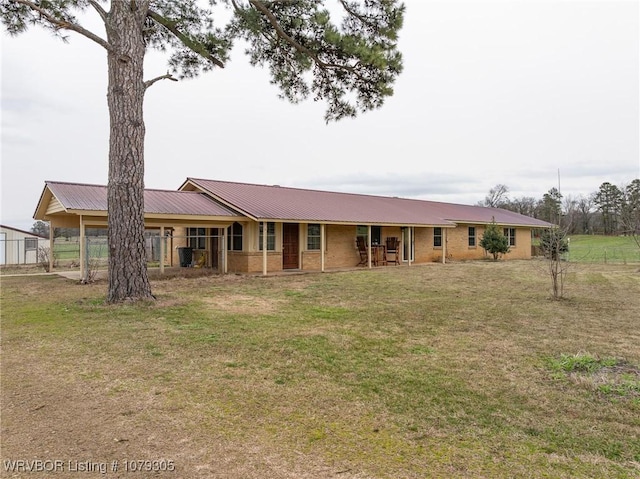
x=290 y=245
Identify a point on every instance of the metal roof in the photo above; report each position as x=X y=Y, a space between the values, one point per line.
x=84 y=197
x=276 y=203
x=265 y=202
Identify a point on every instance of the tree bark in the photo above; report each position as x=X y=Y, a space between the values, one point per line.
x=128 y=279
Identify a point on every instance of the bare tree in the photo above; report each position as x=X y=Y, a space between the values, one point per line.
x=497 y=197
x=630 y=210
x=554 y=244
x=584 y=207
x=569 y=212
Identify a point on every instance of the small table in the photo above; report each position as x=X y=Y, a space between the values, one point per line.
x=378 y=254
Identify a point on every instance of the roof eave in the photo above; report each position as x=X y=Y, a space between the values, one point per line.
x=41 y=208
x=202 y=189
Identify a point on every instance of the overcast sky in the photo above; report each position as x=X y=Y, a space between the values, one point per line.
x=506 y=92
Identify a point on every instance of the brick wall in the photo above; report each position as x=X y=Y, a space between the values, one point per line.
x=341 y=251
x=341 y=248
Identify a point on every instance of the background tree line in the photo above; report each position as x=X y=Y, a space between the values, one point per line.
x=611 y=210
x=42 y=228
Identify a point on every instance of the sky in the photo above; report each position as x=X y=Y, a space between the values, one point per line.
x=532 y=94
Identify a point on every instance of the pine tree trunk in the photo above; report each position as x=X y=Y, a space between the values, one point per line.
x=128 y=279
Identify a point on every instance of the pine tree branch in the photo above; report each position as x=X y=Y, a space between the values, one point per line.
x=65 y=25
x=188 y=42
x=96 y=6
x=355 y=14
x=301 y=48
x=167 y=76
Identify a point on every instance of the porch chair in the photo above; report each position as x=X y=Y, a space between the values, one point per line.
x=393 y=250
x=362 y=249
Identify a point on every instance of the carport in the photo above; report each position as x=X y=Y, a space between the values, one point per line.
x=74 y=205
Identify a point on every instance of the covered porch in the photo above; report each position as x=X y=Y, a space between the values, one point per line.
x=71 y=205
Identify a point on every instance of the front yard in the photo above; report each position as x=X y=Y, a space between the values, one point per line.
x=457 y=370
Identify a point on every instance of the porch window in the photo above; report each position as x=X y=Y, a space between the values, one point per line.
x=511 y=234
x=235 y=237
x=313 y=236
x=376 y=233
x=437 y=237
x=271 y=236
x=472 y=236
x=197 y=238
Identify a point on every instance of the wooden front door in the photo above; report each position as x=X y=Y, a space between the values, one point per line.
x=290 y=245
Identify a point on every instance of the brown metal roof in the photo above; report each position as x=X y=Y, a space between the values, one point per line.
x=83 y=197
x=282 y=203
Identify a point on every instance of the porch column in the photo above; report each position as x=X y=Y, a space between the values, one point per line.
x=83 y=251
x=322 y=243
x=444 y=245
x=162 y=248
x=369 y=245
x=264 y=248
x=51 y=245
x=409 y=245
x=224 y=250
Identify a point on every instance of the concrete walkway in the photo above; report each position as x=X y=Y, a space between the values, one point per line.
x=75 y=275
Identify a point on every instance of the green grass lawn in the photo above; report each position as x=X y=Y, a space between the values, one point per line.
x=603 y=249
x=464 y=370
x=71 y=250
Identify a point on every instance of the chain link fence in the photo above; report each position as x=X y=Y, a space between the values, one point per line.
x=203 y=251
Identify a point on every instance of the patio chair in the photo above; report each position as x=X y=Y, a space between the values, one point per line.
x=393 y=250
x=362 y=249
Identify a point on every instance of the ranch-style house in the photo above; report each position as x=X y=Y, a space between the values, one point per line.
x=222 y=225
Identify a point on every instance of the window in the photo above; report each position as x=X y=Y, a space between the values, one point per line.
x=313 y=237
x=511 y=234
x=437 y=237
x=271 y=236
x=197 y=238
x=376 y=233
x=30 y=244
x=472 y=236
x=362 y=231
x=234 y=232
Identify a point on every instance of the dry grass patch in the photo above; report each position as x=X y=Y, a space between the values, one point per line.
x=435 y=371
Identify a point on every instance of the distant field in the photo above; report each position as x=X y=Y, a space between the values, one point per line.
x=603 y=249
x=65 y=250
x=583 y=249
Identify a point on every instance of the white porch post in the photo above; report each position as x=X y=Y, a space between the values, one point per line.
x=369 y=245
x=83 y=251
x=224 y=251
x=162 y=248
x=264 y=248
x=409 y=245
x=444 y=245
x=51 y=244
x=322 y=243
